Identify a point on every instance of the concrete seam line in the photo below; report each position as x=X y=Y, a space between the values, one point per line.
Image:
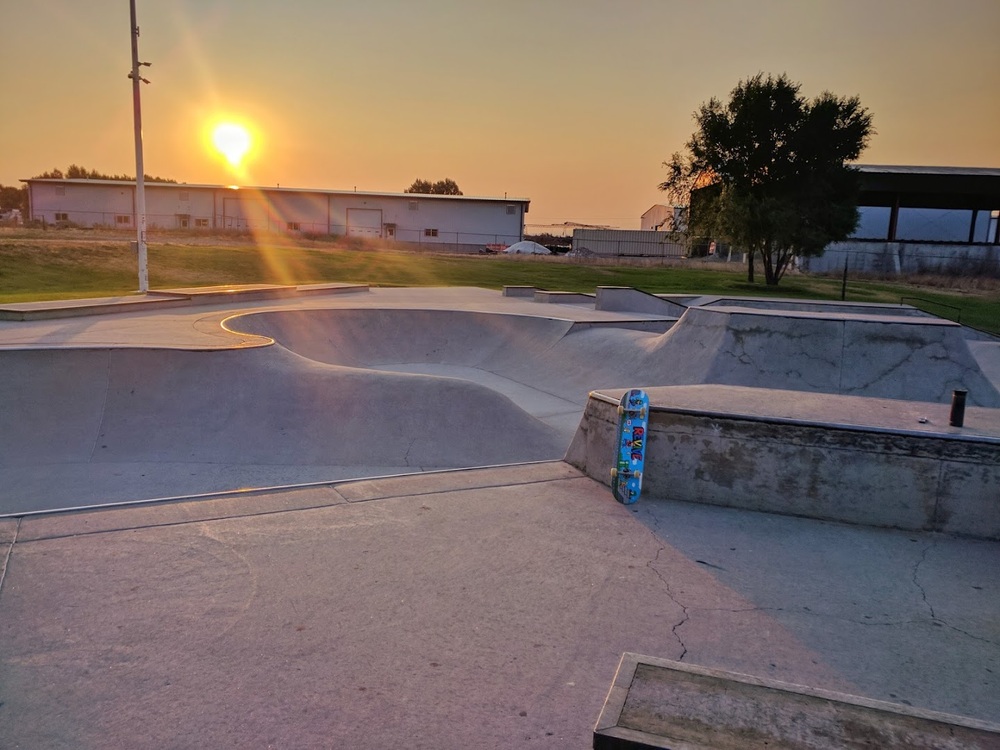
x=843 y=348
x=104 y=405
x=221 y=494
x=936 y=522
x=6 y=558
x=469 y=489
x=184 y=522
x=209 y=518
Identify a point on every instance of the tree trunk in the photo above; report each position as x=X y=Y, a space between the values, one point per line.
x=784 y=259
x=769 y=276
x=750 y=254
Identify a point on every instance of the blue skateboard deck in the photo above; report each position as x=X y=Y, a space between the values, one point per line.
x=630 y=455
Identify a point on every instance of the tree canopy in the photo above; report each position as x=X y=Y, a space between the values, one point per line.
x=768 y=171
x=441 y=187
x=13 y=197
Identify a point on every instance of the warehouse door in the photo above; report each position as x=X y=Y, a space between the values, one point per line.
x=364 y=222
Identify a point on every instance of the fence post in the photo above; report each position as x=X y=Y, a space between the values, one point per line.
x=843 y=284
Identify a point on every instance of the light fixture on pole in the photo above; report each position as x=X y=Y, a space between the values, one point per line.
x=140 y=187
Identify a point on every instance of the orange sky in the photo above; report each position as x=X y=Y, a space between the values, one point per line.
x=571 y=103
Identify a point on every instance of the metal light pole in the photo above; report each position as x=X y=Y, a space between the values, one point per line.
x=140 y=186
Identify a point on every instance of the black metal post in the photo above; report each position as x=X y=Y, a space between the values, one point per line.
x=843 y=284
x=957 y=418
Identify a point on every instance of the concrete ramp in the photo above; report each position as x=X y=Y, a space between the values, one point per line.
x=908 y=358
x=90 y=426
x=552 y=357
x=355 y=391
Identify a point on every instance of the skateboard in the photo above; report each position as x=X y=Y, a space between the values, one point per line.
x=630 y=446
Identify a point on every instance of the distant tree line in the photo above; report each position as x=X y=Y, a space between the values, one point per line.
x=441 y=187
x=75 y=172
x=12 y=196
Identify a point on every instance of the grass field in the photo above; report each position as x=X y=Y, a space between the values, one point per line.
x=65 y=264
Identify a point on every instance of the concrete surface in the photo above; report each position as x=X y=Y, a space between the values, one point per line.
x=881 y=356
x=151 y=405
x=879 y=462
x=265 y=392
x=659 y=703
x=478 y=608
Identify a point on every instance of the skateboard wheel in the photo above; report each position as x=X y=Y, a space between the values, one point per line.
x=614 y=473
x=621 y=410
x=637 y=474
x=642 y=413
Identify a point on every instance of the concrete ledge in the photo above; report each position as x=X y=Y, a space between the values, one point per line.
x=73 y=308
x=562 y=298
x=164 y=298
x=650 y=325
x=825 y=307
x=658 y=703
x=876 y=462
x=210 y=295
x=519 y=291
x=320 y=289
x=627 y=299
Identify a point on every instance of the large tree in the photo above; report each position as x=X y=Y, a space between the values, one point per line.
x=441 y=187
x=768 y=171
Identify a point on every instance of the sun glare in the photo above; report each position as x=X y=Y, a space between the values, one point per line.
x=233 y=141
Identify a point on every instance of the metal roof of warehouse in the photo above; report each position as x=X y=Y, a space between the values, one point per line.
x=276 y=189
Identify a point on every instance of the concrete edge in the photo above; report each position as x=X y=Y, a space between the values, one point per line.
x=166 y=298
x=181 y=509
x=606 y=396
x=924 y=722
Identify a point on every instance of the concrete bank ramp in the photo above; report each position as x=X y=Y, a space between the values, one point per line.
x=908 y=358
x=549 y=355
x=352 y=392
x=89 y=426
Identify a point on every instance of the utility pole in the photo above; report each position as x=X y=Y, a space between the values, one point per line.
x=140 y=186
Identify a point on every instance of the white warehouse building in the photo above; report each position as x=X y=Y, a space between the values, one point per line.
x=456 y=221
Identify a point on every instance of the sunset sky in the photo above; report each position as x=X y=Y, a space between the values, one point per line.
x=571 y=103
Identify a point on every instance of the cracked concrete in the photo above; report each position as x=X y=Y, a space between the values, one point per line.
x=465 y=616
x=875 y=603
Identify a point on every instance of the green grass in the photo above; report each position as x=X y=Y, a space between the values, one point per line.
x=56 y=266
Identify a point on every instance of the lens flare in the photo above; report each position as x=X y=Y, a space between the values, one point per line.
x=233 y=141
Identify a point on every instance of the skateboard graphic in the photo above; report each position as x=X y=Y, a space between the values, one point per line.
x=630 y=453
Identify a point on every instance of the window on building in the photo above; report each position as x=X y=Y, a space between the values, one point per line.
x=430 y=233
x=201 y=223
x=185 y=196
x=511 y=210
x=62 y=217
x=413 y=205
x=123 y=219
x=293 y=226
x=60 y=190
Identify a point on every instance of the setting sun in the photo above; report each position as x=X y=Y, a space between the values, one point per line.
x=233 y=141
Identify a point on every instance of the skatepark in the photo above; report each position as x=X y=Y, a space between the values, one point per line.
x=341 y=516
